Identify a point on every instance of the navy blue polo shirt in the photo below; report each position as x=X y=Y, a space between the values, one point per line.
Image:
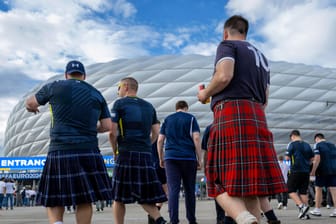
x=251 y=72
x=76 y=107
x=327 y=152
x=300 y=154
x=135 y=118
x=178 y=129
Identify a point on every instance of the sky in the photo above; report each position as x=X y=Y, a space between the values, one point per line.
x=38 y=37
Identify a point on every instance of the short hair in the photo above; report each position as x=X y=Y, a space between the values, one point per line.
x=295 y=132
x=131 y=82
x=237 y=23
x=281 y=157
x=319 y=135
x=181 y=105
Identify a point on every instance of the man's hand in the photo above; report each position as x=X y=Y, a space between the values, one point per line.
x=35 y=111
x=202 y=97
x=162 y=163
x=199 y=164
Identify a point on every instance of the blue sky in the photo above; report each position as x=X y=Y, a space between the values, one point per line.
x=38 y=37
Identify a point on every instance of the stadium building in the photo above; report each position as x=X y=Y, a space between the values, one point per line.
x=301 y=97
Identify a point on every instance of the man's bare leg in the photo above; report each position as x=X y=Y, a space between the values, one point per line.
x=119 y=211
x=235 y=207
x=84 y=213
x=55 y=214
x=152 y=210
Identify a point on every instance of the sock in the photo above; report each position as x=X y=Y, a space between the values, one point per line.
x=160 y=220
x=246 y=217
x=58 y=222
x=270 y=215
x=229 y=220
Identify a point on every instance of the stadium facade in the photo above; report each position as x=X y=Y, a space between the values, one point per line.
x=301 y=97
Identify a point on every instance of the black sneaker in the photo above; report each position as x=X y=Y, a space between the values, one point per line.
x=305 y=217
x=160 y=221
x=303 y=210
x=151 y=220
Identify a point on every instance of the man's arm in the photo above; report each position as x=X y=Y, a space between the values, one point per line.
x=32 y=104
x=222 y=77
x=316 y=162
x=155 y=132
x=267 y=94
x=104 y=125
x=113 y=138
x=197 y=143
x=205 y=158
x=160 y=142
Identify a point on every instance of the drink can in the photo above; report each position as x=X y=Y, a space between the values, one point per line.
x=200 y=87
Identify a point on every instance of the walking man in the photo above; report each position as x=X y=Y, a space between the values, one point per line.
x=135 y=128
x=74 y=172
x=300 y=154
x=181 y=158
x=242 y=165
x=324 y=168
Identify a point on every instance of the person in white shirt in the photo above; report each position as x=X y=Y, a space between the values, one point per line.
x=283 y=197
x=10 y=189
x=2 y=191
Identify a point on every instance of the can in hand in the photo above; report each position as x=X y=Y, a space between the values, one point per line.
x=200 y=87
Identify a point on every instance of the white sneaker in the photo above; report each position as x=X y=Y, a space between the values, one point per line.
x=328 y=206
x=284 y=208
x=280 y=205
x=316 y=212
x=246 y=218
x=333 y=214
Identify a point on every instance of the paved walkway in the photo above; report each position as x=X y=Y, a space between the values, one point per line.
x=135 y=215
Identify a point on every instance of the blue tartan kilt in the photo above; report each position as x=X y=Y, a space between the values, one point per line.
x=135 y=179
x=72 y=178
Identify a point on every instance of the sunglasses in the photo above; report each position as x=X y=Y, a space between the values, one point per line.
x=119 y=86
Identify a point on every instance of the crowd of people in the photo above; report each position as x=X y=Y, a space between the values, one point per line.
x=241 y=165
x=12 y=195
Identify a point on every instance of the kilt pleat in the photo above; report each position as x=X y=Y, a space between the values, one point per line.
x=135 y=179
x=241 y=157
x=72 y=178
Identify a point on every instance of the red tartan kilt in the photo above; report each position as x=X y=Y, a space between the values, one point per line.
x=241 y=156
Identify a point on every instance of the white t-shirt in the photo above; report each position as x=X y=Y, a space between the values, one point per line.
x=2 y=185
x=10 y=188
x=284 y=169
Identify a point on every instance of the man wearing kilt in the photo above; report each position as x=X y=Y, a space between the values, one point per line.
x=242 y=165
x=135 y=128
x=74 y=173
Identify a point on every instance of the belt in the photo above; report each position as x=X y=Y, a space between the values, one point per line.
x=220 y=104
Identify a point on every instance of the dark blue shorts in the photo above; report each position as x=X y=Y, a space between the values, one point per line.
x=325 y=181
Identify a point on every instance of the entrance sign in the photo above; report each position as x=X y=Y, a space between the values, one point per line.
x=36 y=163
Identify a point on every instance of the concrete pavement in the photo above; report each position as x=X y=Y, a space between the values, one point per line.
x=135 y=215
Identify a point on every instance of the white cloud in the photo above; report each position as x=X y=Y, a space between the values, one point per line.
x=6 y=106
x=123 y=8
x=295 y=31
x=43 y=35
x=173 y=41
x=206 y=49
